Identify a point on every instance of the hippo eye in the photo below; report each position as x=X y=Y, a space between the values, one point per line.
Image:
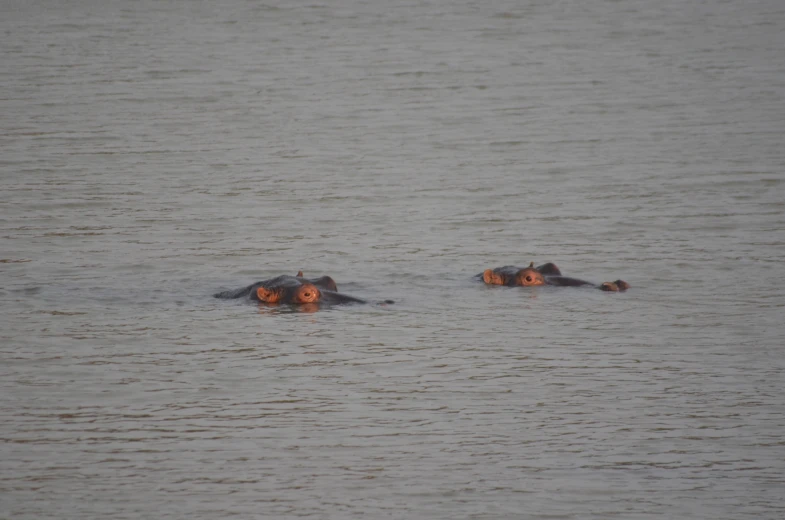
x=529 y=278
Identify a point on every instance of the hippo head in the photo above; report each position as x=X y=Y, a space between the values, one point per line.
x=529 y=276
x=304 y=293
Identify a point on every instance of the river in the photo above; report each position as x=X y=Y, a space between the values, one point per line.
x=154 y=153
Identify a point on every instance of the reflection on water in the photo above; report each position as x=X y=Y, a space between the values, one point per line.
x=155 y=153
x=279 y=308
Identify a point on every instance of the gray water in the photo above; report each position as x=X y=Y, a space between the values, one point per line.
x=154 y=153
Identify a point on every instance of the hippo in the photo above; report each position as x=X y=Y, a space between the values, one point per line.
x=324 y=282
x=511 y=276
x=292 y=290
x=546 y=274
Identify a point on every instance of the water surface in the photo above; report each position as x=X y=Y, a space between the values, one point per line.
x=155 y=153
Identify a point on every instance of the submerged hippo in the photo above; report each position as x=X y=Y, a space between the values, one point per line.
x=546 y=274
x=292 y=290
x=511 y=275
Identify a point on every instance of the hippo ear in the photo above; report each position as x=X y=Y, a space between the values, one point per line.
x=549 y=269
x=622 y=285
x=492 y=278
x=609 y=286
x=266 y=295
x=299 y=274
